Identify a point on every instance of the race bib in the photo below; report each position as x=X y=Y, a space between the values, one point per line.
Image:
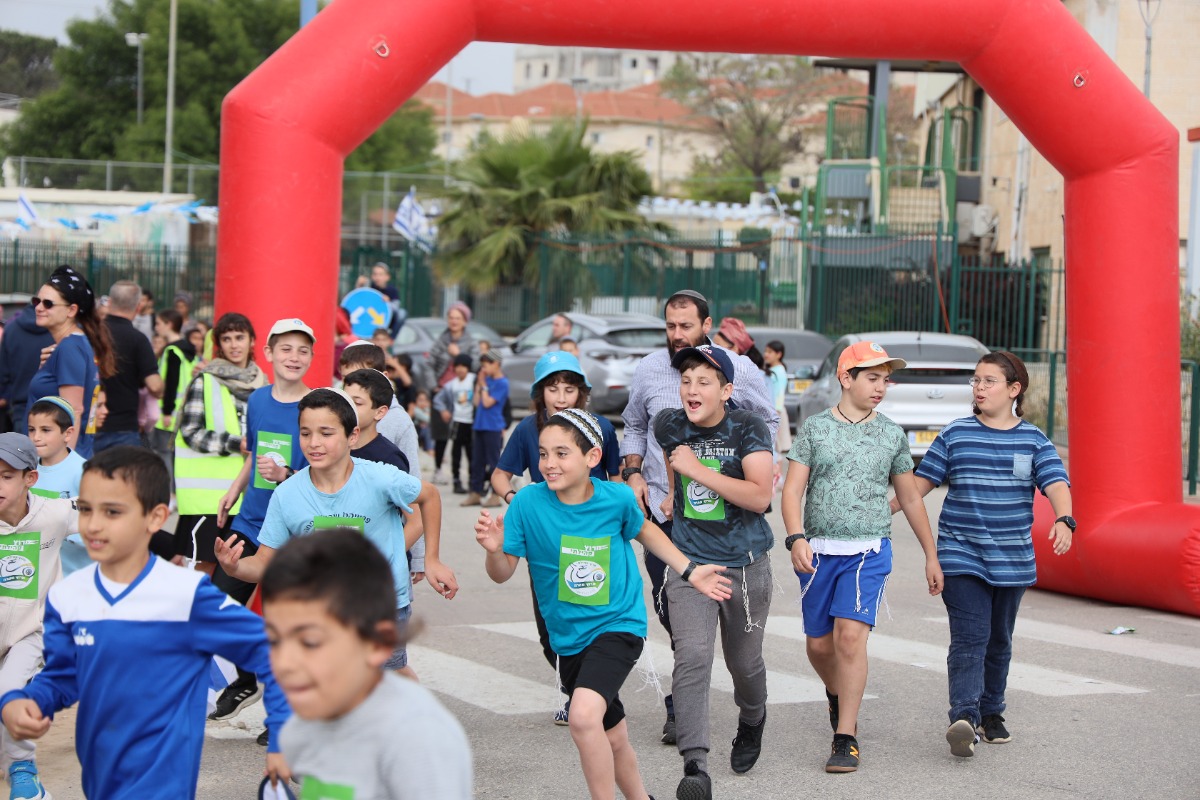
x=20 y=556
x=700 y=502
x=278 y=448
x=324 y=523
x=313 y=789
x=583 y=571
x=48 y=493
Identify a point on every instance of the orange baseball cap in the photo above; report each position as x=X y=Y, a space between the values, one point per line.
x=867 y=354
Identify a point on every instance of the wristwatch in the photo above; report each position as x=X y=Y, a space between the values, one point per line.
x=791 y=540
x=1067 y=520
x=625 y=473
x=687 y=573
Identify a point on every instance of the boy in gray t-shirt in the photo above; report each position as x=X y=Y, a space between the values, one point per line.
x=844 y=458
x=357 y=731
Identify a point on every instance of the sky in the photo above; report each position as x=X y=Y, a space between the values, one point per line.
x=483 y=66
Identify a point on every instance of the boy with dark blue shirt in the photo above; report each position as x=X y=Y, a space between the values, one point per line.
x=487 y=435
x=372 y=394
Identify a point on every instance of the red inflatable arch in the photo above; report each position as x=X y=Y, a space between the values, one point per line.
x=287 y=128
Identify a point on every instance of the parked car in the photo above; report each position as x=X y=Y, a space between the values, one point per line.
x=610 y=346
x=803 y=352
x=418 y=335
x=925 y=397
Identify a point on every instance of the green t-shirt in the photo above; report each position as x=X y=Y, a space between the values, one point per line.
x=851 y=468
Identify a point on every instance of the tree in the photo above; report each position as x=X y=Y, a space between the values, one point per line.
x=721 y=178
x=26 y=64
x=404 y=143
x=755 y=104
x=93 y=113
x=510 y=191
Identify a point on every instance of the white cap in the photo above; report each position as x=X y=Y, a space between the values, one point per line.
x=292 y=325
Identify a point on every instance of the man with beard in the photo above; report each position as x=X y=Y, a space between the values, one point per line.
x=654 y=388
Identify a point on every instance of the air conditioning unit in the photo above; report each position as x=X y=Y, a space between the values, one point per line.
x=983 y=220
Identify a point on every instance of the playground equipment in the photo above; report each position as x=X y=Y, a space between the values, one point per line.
x=287 y=128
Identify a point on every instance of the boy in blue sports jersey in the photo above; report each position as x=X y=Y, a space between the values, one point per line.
x=336 y=490
x=132 y=639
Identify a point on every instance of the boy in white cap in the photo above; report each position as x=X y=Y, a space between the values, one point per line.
x=844 y=459
x=32 y=530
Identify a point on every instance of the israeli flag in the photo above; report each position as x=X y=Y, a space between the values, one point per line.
x=27 y=215
x=411 y=222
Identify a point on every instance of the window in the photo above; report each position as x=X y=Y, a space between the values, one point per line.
x=528 y=71
x=652 y=63
x=595 y=138
x=633 y=63
x=649 y=142
x=537 y=336
x=545 y=70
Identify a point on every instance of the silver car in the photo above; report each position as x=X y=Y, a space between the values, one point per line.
x=924 y=398
x=610 y=346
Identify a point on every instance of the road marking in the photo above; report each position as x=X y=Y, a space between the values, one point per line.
x=480 y=685
x=1131 y=645
x=1021 y=676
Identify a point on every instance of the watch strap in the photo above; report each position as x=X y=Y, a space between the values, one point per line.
x=687 y=573
x=791 y=540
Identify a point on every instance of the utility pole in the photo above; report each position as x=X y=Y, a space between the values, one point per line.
x=171 y=44
x=135 y=40
x=448 y=135
x=1148 y=18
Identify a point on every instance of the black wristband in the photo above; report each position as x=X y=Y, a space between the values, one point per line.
x=687 y=573
x=625 y=473
x=506 y=494
x=791 y=540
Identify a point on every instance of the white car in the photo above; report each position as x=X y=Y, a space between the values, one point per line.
x=924 y=398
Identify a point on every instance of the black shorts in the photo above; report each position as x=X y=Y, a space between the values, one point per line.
x=206 y=536
x=602 y=666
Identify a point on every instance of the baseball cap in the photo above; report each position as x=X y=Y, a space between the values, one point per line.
x=866 y=354
x=490 y=355
x=292 y=325
x=713 y=355
x=17 y=450
x=552 y=362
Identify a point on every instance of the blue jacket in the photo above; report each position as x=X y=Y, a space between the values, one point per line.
x=20 y=357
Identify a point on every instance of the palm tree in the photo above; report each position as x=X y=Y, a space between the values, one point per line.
x=511 y=191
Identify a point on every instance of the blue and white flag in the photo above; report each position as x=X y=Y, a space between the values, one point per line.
x=411 y=222
x=27 y=215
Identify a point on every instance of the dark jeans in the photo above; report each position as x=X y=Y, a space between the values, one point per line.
x=982 y=617
x=485 y=452
x=105 y=440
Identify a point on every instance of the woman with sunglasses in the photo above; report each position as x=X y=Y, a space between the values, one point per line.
x=82 y=352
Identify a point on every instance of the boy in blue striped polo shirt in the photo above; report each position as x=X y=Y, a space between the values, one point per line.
x=992 y=461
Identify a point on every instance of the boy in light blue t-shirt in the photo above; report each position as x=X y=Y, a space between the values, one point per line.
x=51 y=423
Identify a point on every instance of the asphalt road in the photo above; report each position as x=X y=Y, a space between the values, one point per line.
x=1092 y=715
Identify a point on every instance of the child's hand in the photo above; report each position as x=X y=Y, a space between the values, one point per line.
x=277 y=768
x=229 y=553
x=227 y=501
x=489 y=531
x=708 y=580
x=441 y=578
x=446 y=416
x=684 y=461
x=1062 y=536
x=802 y=556
x=417 y=577
x=25 y=720
x=933 y=576
x=667 y=506
x=271 y=469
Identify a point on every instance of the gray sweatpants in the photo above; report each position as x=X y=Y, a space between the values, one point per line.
x=694 y=620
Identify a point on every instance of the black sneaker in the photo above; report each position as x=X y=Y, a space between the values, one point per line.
x=668 y=734
x=843 y=757
x=236 y=696
x=459 y=488
x=264 y=738
x=962 y=738
x=696 y=785
x=992 y=729
x=747 y=745
x=833 y=710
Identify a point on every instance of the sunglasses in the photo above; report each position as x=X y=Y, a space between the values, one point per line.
x=45 y=302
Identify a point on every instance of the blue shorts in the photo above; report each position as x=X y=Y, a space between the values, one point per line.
x=850 y=587
x=399 y=657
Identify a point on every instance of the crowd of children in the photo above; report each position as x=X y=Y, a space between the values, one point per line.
x=314 y=496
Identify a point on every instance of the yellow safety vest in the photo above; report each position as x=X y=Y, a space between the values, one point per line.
x=185 y=377
x=202 y=479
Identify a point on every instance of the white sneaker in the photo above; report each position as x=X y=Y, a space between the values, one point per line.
x=441 y=476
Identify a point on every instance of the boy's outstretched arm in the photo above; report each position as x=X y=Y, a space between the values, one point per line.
x=489 y=532
x=249 y=569
x=794 y=486
x=705 y=578
x=439 y=576
x=912 y=502
x=27 y=712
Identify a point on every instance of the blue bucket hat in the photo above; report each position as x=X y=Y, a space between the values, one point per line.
x=556 y=361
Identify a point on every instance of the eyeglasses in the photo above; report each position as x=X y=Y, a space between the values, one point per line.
x=45 y=302
x=988 y=383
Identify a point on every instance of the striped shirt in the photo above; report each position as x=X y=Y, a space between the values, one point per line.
x=986 y=524
x=655 y=387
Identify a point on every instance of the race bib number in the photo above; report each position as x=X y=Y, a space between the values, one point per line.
x=583 y=571
x=313 y=789
x=275 y=446
x=20 y=557
x=48 y=493
x=700 y=502
x=324 y=523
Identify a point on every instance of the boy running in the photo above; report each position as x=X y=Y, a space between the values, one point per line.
x=372 y=394
x=844 y=458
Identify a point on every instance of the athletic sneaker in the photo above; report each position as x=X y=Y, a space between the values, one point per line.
x=833 y=710
x=23 y=778
x=668 y=734
x=264 y=738
x=992 y=729
x=843 y=756
x=563 y=715
x=747 y=745
x=696 y=785
x=236 y=696
x=962 y=738
x=440 y=476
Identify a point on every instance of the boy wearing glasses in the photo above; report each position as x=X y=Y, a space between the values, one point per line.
x=844 y=458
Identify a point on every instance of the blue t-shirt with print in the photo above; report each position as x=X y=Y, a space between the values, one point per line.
x=521 y=452
x=492 y=419
x=62 y=479
x=371 y=501
x=276 y=426
x=73 y=363
x=584 y=571
x=986 y=525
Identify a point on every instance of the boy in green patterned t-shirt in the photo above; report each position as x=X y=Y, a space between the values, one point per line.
x=844 y=457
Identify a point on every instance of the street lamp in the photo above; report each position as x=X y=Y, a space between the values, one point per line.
x=135 y=40
x=173 y=23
